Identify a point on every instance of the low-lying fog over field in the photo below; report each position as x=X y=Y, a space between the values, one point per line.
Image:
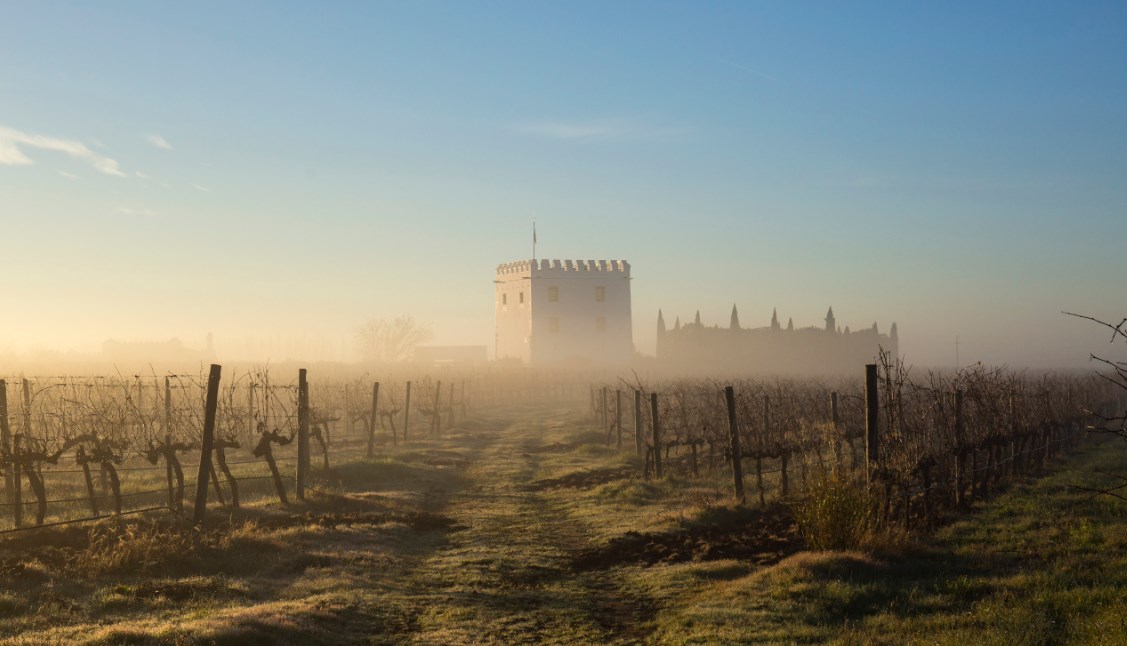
x=627 y=323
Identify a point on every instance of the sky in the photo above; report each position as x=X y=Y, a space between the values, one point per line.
x=276 y=173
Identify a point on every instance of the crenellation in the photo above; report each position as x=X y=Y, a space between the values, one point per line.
x=555 y=265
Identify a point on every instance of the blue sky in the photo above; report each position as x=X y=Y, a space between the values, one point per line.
x=278 y=172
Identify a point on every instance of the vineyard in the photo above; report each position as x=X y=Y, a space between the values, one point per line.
x=87 y=447
x=503 y=506
x=76 y=449
x=927 y=444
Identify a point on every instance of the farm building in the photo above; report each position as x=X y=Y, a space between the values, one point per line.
x=564 y=312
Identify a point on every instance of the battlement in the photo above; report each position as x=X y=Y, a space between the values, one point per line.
x=550 y=267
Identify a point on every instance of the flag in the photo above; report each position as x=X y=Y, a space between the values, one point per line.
x=533 y=233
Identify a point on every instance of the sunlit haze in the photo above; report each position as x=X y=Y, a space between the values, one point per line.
x=278 y=173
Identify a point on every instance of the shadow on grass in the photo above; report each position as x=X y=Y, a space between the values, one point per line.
x=760 y=535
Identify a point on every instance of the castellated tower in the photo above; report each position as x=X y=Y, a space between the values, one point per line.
x=564 y=312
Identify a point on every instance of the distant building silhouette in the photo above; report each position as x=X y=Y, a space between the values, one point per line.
x=564 y=312
x=772 y=349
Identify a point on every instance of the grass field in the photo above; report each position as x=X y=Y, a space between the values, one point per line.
x=521 y=526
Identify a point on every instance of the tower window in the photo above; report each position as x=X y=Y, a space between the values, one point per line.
x=553 y=294
x=553 y=325
x=600 y=294
x=504 y=299
x=522 y=298
x=601 y=324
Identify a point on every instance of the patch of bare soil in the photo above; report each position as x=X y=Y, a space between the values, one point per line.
x=583 y=479
x=763 y=536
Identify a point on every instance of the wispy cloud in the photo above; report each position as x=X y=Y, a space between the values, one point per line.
x=68 y=175
x=201 y=188
x=135 y=212
x=603 y=130
x=12 y=143
x=158 y=141
x=762 y=75
x=141 y=175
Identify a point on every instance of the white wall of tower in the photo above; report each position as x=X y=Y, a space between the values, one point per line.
x=573 y=311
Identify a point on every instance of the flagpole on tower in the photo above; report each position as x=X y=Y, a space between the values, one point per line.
x=534 y=239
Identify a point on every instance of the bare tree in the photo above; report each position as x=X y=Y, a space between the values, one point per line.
x=392 y=340
x=1114 y=420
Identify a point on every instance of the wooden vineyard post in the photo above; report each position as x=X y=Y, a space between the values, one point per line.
x=638 y=421
x=759 y=479
x=618 y=415
x=373 y=419
x=872 y=417
x=606 y=416
x=250 y=410
x=1013 y=435
x=6 y=438
x=168 y=439
x=17 y=491
x=1046 y=436
x=436 y=420
x=656 y=434
x=302 y=432
x=347 y=411
x=167 y=407
x=207 y=442
x=16 y=448
x=462 y=398
x=406 y=411
x=734 y=443
x=26 y=408
x=450 y=406
x=168 y=472
x=959 y=452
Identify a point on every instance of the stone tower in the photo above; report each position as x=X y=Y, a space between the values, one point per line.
x=569 y=311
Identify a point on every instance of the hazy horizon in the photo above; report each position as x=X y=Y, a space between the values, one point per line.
x=277 y=174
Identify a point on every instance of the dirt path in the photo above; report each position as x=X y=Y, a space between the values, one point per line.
x=506 y=577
